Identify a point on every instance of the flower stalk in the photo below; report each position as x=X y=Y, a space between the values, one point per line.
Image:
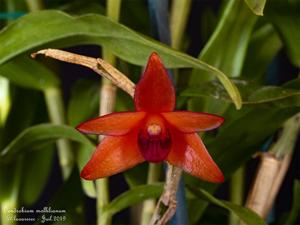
x=55 y=106
x=107 y=104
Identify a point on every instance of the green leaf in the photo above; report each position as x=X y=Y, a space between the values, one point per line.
x=39 y=135
x=65 y=30
x=294 y=214
x=246 y=215
x=257 y=6
x=136 y=175
x=28 y=73
x=263 y=47
x=84 y=153
x=251 y=93
x=133 y=196
x=285 y=17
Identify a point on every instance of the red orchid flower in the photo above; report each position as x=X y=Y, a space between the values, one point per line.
x=154 y=132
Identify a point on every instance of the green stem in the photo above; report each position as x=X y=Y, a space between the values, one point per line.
x=102 y=187
x=54 y=101
x=237 y=192
x=108 y=92
x=35 y=5
x=179 y=15
x=288 y=137
x=149 y=205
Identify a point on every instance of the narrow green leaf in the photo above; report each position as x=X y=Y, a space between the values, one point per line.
x=246 y=215
x=295 y=212
x=84 y=153
x=35 y=136
x=257 y=6
x=65 y=30
x=252 y=94
x=133 y=196
x=28 y=73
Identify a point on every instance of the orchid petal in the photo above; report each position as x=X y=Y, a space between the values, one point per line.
x=189 y=153
x=112 y=124
x=113 y=155
x=155 y=91
x=190 y=122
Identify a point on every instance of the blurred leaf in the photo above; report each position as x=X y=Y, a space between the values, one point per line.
x=295 y=212
x=17 y=120
x=35 y=173
x=35 y=136
x=136 y=176
x=285 y=17
x=246 y=215
x=252 y=94
x=257 y=6
x=28 y=73
x=263 y=47
x=95 y=29
x=84 y=101
x=133 y=196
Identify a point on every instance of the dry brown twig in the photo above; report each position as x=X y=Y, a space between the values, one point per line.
x=166 y=206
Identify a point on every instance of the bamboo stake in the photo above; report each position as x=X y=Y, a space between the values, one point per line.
x=266 y=174
x=168 y=198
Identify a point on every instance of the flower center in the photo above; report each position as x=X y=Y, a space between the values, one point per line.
x=154 y=140
x=154 y=129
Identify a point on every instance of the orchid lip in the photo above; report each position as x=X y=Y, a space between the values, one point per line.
x=154 y=143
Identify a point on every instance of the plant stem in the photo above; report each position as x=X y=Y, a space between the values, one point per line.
x=237 y=192
x=179 y=15
x=35 y=5
x=149 y=205
x=107 y=104
x=54 y=101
